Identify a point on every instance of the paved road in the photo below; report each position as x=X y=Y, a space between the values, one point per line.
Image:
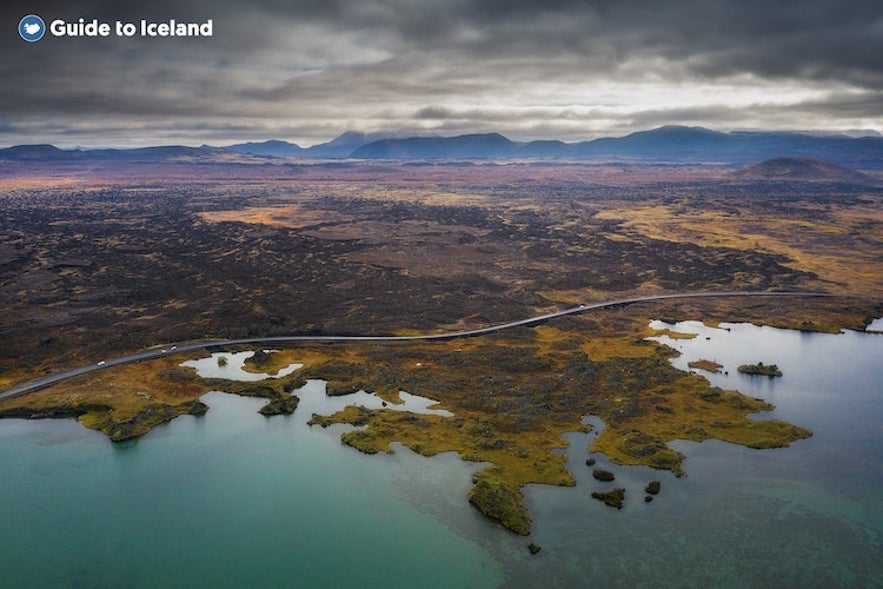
x=152 y=353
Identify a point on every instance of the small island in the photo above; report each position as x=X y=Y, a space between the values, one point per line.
x=603 y=475
x=707 y=365
x=760 y=369
x=279 y=406
x=614 y=498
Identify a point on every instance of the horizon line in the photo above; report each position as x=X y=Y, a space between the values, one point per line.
x=849 y=133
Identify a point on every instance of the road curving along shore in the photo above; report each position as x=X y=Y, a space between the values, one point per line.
x=51 y=379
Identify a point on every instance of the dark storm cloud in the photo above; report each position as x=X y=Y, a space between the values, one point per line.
x=315 y=67
x=822 y=38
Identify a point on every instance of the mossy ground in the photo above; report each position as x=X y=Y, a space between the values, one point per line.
x=707 y=365
x=614 y=498
x=512 y=394
x=760 y=369
x=128 y=401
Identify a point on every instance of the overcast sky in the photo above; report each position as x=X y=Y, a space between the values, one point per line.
x=308 y=70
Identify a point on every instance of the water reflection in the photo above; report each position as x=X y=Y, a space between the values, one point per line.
x=314 y=400
x=810 y=515
x=230 y=366
x=236 y=499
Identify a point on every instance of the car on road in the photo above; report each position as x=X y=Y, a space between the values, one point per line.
x=102 y=363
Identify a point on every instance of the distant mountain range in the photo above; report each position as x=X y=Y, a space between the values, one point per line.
x=344 y=145
x=665 y=145
x=163 y=153
x=341 y=147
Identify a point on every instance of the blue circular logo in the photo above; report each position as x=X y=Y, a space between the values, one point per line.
x=31 y=28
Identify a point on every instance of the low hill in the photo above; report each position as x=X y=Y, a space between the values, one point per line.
x=157 y=154
x=800 y=168
x=41 y=152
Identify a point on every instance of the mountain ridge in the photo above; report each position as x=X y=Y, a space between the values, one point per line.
x=674 y=144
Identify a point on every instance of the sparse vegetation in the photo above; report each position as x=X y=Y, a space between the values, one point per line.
x=614 y=498
x=760 y=369
x=707 y=365
x=280 y=406
x=602 y=475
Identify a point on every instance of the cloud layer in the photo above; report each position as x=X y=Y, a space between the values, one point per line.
x=570 y=69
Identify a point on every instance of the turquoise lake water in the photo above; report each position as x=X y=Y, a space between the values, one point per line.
x=234 y=499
